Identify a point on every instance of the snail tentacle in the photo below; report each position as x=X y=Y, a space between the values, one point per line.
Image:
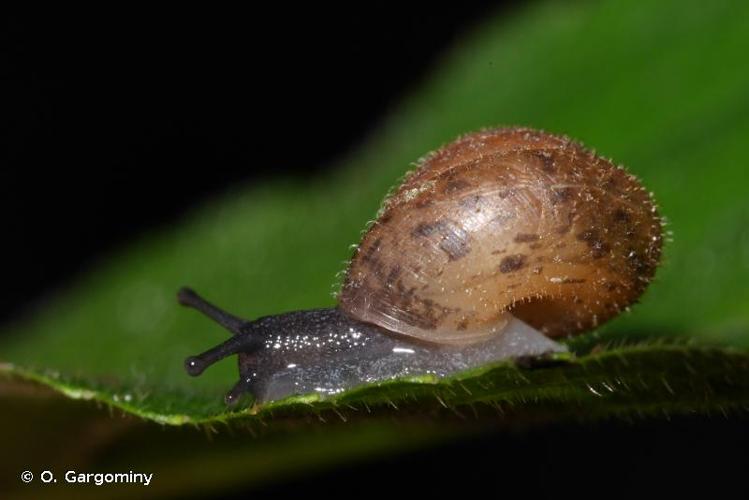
x=188 y=297
x=195 y=365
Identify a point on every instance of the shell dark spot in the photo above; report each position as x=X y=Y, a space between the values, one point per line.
x=501 y=220
x=638 y=264
x=526 y=238
x=566 y=225
x=610 y=183
x=611 y=286
x=432 y=313
x=504 y=193
x=454 y=239
x=393 y=275
x=571 y=281
x=455 y=185
x=385 y=217
x=598 y=247
x=369 y=253
x=472 y=202
x=423 y=201
x=512 y=263
x=455 y=243
x=418 y=311
x=370 y=258
x=561 y=195
x=621 y=215
x=405 y=293
x=547 y=161
x=424 y=229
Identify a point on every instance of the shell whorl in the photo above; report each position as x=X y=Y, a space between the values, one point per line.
x=505 y=220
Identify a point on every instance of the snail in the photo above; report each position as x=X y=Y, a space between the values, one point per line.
x=494 y=246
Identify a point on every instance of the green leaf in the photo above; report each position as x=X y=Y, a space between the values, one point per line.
x=657 y=87
x=639 y=379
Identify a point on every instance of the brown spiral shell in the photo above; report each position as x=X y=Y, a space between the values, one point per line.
x=505 y=220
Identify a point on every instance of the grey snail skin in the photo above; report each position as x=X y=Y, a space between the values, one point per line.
x=496 y=244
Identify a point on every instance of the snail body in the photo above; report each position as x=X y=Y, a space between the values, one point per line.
x=493 y=245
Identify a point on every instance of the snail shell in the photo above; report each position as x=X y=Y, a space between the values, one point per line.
x=505 y=221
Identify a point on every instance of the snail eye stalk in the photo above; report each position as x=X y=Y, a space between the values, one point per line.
x=195 y=365
x=188 y=297
x=242 y=341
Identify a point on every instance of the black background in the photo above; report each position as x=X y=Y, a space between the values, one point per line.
x=114 y=123
x=683 y=457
